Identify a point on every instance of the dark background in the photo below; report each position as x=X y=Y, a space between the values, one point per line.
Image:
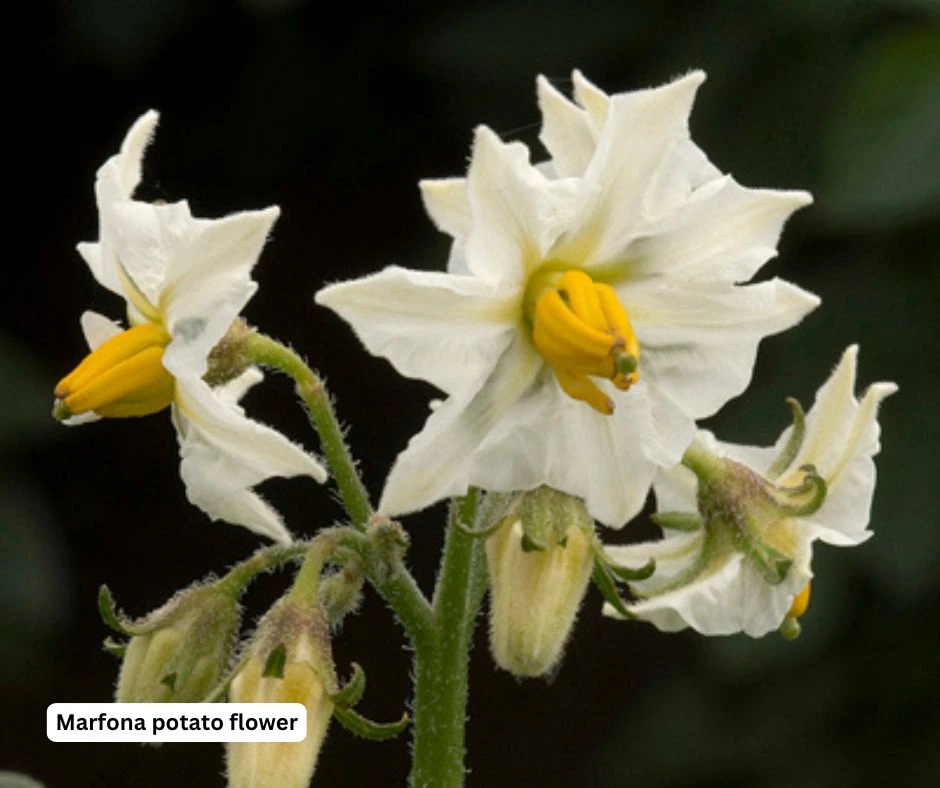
x=334 y=114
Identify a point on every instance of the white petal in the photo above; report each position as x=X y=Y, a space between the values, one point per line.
x=448 y=204
x=676 y=490
x=438 y=461
x=722 y=233
x=115 y=183
x=224 y=454
x=237 y=388
x=105 y=275
x=140 y=241
x=567 y=132
x=609 y=461
x=517 y=212
x=842 y=436
x=699 y=347
x=641 y=130
x=98 y=329
x=594 y=100
x=209 y=282
x=118 y=176
x=444 y=328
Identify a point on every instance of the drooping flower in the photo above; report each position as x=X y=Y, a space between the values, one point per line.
x=185 y=281
x=753 y=514
x=590 y=311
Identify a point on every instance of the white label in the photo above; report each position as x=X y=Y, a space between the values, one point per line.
x=167 y=722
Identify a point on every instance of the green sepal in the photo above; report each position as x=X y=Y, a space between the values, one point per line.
x=678 y=521
x=274 y=664
x=367 y=729
x=812 y=484
x=772 y=564
x=529 y=545
x=794 y=443
x=351 y=693
x=112 y=617
x=114 y=648
x=604 y=580
x=478 y=533
x=629 y=575
x=493 y=510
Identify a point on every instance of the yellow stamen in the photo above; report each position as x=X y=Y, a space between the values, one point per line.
x=581 y=387
x=584 y=299
x=800 y=603
x=123 y=377
x=581 y=328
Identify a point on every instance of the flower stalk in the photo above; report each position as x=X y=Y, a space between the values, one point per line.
x=264 y=350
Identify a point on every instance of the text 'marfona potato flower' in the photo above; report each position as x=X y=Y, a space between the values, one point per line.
x=746 y=566
x=185 y=281
x=591 y=309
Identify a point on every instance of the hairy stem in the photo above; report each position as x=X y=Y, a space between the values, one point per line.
x=264 y=350
x=441 y=664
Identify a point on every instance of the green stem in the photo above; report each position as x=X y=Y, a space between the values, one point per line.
x=307 y=581
x=387 y=573
x=700 y=461
x=440 y=702
x=269 y=352
x=264 y=559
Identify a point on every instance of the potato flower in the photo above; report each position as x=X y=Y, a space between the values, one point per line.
x=591 y=309
x=185 y=280
x=755 y=513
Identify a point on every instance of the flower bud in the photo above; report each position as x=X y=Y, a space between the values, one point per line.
x=289 y=661
x=540 y=560
x=179 y=652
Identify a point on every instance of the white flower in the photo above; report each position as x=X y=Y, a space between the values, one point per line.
x=719 y=579
x=626 y=247
x=185 y=280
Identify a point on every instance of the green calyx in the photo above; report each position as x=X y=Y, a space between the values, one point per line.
x=177 y=653
x=752 y=513
x=229 y=358
x=545 y=514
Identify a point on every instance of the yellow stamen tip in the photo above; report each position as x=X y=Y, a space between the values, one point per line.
x=124 y=376
x=800 y=603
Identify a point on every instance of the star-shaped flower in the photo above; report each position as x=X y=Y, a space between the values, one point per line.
x=590 y=312
x=746 y=567
x=185 y=281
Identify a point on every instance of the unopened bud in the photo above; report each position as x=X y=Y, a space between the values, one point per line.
x=289 y=661
x=540 y=560
x=179 y=652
